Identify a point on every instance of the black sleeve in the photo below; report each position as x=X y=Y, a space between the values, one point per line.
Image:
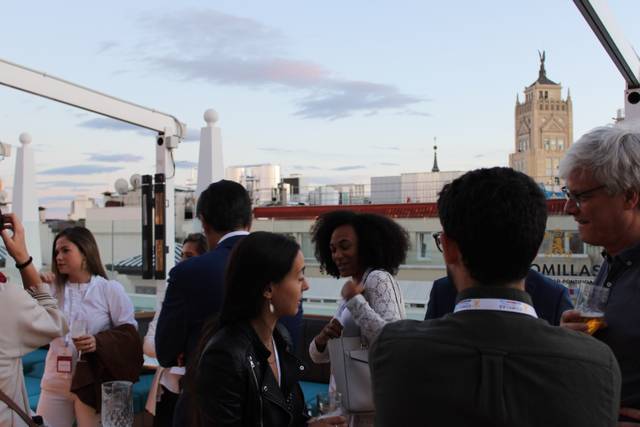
x=171 y=330
x=432 y=304
x=221 y=389
x=564 y=304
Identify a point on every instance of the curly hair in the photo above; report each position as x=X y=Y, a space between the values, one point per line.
x=382 y=242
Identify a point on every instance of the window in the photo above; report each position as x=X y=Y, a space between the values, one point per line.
x=307 y=246
x=557 y=242
x=560 y=142
x=548 y=167
x=423 y=244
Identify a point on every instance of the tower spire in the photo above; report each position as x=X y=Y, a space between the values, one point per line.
x=435 y=167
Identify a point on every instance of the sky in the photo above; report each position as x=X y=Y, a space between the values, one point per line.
x=337 y=91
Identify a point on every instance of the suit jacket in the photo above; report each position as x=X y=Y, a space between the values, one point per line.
x=550 y=299
x=194 y=293
x=493 y=368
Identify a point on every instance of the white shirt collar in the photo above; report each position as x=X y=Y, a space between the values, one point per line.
x=233 y=234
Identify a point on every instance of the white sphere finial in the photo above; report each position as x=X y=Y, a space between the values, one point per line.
x=25 y=138
x=211 y=117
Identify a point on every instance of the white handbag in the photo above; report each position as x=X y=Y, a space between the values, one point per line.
x=350 y=367
x=350 y=370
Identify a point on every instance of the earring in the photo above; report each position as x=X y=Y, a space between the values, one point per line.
x=272 y=309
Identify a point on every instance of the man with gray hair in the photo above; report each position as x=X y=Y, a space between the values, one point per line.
x=602 y=173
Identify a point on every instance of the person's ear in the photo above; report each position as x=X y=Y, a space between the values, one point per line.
x=268 y=292
x=450 y=250
x=205 y=227
x=631 y=199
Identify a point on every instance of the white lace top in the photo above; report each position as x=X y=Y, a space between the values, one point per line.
x=379 y=304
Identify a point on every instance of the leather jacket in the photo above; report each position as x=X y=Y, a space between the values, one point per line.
x=236 y=387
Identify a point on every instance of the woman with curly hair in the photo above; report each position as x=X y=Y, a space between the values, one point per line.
x=368 y=249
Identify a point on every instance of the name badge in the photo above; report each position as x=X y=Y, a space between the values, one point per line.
x=63 y=364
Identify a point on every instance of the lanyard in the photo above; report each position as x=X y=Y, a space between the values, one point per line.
x=496 y=304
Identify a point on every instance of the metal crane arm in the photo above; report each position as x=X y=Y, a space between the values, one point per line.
x=56 y=89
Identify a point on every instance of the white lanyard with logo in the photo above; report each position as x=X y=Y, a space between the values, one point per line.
x=496 y=304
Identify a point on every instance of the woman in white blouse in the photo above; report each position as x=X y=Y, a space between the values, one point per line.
x=368 y=249
x=91 y=304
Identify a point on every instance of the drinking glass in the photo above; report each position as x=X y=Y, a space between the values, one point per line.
x=117 y=404
x=591 y=302
x=78 y=329
x=329 y=403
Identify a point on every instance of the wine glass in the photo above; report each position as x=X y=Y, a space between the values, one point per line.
x=78 y=329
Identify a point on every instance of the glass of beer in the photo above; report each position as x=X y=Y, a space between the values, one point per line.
x=591 y=303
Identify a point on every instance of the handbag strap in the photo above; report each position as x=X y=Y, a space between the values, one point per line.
x=11 y=404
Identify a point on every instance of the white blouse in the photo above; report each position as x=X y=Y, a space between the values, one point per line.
x=103 y=304
x=379 y=304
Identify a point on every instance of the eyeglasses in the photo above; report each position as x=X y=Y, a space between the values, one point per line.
x=436 y=238
x=578 y=198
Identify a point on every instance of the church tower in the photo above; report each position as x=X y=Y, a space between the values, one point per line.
x=543 y=129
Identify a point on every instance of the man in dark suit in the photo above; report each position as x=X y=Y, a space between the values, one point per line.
x=196 y=286
x=492 y=362
x=550 y=299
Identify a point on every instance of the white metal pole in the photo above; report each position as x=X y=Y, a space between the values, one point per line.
x=210 y=164
x=25 y=202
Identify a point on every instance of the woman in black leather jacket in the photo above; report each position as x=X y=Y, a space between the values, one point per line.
x=246 y=375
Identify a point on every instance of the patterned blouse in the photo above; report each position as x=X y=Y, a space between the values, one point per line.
x=379 y=304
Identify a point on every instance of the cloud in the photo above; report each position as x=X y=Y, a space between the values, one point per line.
x=193 y=135
x=348 y=168
x=277 y=150
x=206 y=45
x=385 y=147
x=410 y=112
x=302 y=167
x=80 y=170
x=389 y=164
x=185 y=164
x=72 y=184
x=105 y=123
x=106 y=46
x=110 y=158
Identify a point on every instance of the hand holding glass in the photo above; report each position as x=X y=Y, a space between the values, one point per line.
x=78 y=329
x=591 y=303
